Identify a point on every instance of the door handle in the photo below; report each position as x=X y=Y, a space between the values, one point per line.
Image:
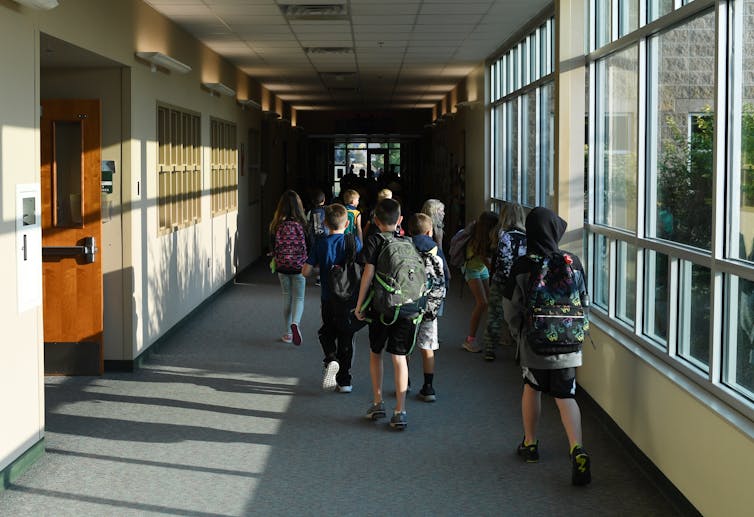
x=88 y=249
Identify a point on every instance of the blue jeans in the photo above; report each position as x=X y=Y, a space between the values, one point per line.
x=293 y=298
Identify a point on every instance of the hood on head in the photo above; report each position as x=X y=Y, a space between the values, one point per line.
x=544 y=229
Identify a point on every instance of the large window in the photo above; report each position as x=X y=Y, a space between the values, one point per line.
x=374 y=160
x=522 y=120
x=224 y=168
x=179 y=178
x=671 y=225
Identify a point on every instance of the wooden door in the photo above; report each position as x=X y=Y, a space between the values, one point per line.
x=71 y=231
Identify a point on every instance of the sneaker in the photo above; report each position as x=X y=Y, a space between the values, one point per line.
x=529 y=453
x=376 y=411
x=344 y=389
x=581 y=472
x=287 y=338
x=427 y=393
x=295 y=334
x=489 y=355
x=317 y=282
x=398 y=421
x=471 y=346
x=328 y=376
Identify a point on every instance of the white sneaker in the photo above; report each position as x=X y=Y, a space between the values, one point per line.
x=471 y=346
x=287 y=338
x=344 y=389
x=328 y=377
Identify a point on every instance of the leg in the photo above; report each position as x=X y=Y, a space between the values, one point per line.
x=531 y=405
x=428 y=361
x=345 y=356
x=479 y=290
x=570 y=415
x=401 y=381
x=327 y=333
x=285 y=285
x=495 y=320
x=375 y=371
x=298 y=285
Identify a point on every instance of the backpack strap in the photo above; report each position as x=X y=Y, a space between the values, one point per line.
x=350 y=246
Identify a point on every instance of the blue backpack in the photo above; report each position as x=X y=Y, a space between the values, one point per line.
x=555 y=321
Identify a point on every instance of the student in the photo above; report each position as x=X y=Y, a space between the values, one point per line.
x=511 y=244
x=397 y=338
x=370 y=227
x=316 y=218
x=289 y=241
x=476 y=271
x=542 y=373
x=435 y=209
x=335 y=335
x=420 y=228
x=351 y=200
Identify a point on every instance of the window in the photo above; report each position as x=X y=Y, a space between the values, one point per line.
x=223 y=167
x=179 y=179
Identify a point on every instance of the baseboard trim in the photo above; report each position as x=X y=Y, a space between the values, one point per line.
x=666 y=487
x=21 y=464
x=126 y=365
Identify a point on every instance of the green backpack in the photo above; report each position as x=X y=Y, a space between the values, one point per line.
x=400 y=280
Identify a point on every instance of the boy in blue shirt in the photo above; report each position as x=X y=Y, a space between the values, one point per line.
x=337 y=331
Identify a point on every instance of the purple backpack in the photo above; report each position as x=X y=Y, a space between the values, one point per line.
x=290 y=247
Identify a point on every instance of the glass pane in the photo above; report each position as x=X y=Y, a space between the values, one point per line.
x=656 y=297
x=394 y=156
x=340 y=155
x=499 y=152
x=682 y=82
x=529 y=196
x=616 y=139
x=547 y=140
x=601 y=271
x=745 y=222
x=603 y=21
x=626 y=283
x=68 y=174
x=377 y=165
x=694 y=321
x=628 y=16
x=357 y=159
x=739 y=364
x=657 y=8
x=513 y=170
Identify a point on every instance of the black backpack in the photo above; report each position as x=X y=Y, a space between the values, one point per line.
x=556 y=307
x=344 y=279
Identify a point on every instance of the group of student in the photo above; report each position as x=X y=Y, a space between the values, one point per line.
x=510 y=262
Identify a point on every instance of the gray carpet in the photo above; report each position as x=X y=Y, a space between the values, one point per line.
x=227 y=420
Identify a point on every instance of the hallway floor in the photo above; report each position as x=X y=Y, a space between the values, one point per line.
x=227 y=420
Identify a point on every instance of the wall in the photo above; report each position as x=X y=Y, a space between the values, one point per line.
x=21 y=395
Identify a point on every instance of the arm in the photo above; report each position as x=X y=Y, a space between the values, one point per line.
x=366 y=282
x=359 y=232
x=306 y=270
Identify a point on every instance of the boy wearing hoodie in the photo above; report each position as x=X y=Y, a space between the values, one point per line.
x=556 y=373
x=420 y=228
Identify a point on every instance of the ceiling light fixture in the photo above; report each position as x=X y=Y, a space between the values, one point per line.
x=328 y=50
x=219 y=89
x=250 y=103
x=163 y=61
x=39 y=4
x=467 y=104
x=314 y=12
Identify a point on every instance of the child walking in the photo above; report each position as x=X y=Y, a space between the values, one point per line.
x=351 y=201
x=476 y=271
x=336 y=333
x=316 y=219
x=511 y=244
x=397 y=338
x=420 y=228
x=289 y=241
x=545 y=370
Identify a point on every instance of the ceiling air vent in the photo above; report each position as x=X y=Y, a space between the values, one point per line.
x=314 y=11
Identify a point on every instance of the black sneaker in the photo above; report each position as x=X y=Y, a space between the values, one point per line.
x=427 y=393
x=489 y=354
x=529 y=453
x=376 y=411
x=581 y=472
x=398 y=421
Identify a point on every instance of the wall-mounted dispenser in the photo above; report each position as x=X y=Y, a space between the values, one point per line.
x=28 y=246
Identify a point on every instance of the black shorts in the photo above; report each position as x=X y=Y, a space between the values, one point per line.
x=397 y=339
x=560 y=383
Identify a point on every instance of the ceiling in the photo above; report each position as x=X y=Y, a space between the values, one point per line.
x=353 y=54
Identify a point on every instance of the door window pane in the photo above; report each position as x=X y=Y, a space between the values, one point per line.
x=68 y=174
x=681 y=89
x=617 y=84
x=626 y=283
x=739 y=364
x=656 y=297
x=694 y=321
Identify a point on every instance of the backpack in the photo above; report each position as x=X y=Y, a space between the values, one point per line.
x=458 y=243
x=344 y=280
x=317 y=225
x=352 y=214
x=400 y=280
x=290 y=247
x=510 y=246
x=555 y=320
x=436 y=289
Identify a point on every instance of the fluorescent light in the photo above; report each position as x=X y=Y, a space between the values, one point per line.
x=467 y=104
x=39 y=4
x=220 y=89
x=164 y=61
x=251 y=103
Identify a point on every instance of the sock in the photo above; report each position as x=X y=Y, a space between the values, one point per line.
x=428 y=378
x=470 y=339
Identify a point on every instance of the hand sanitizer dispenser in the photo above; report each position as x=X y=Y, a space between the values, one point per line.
x=28 y=246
